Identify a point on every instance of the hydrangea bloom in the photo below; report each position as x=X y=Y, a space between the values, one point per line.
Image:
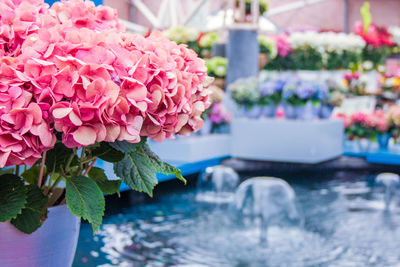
x=18 y=20
x=359 y=117
x=24 y=130
x=282 y=44
x=347 y=120
x=378 y=120
x=93 y=82
x=271 y=87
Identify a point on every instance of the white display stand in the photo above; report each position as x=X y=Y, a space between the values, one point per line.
x=193 y=148
x=285 y=140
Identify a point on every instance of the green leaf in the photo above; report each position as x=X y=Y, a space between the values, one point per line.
x=127 y=147
x=108 y=153
x=7 y=171
x=12 y=196
x=31 y=217
x=366 y=16
x=136 y=170
x=56 y=158
x=31 y=175
x=85 y=199
x=161 y=166
x=107 y=186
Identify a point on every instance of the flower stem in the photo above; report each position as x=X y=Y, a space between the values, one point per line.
x=69 y=161
x=41 y=169
x=56 y=182
x=89 y=167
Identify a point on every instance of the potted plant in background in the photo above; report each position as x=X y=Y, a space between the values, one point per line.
x=247 y=96
x=282 y=59
x=76 y=87
x=206 y=42
x=354 y=84
x=268 y=50
x=306 y=54
x=183 y=35
x=297 y=97
x=289 y=98
x=357 y=130
x=220 y=118
x=379 y=42
x=270 y=96
x=334 y=98
x=217 y=67
x=217 y=116
x=394 y=119
x=379 y=123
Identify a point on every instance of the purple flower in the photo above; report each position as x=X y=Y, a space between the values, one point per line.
x=271 y=87
x=322 y=91
x=305 y=90
x=219 y=114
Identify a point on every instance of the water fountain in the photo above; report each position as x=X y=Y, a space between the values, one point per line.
x=390 y=181
x=217 y=185
x=265 y=199
x=179 y=230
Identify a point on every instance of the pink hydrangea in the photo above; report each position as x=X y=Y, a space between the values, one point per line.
x=359 y=117
x=175 y=85
x=282 y=44
x=347 y=120
x=378 y=120
x=24 y=130
x=93 y=82
x=18 y=20
x=84 y=14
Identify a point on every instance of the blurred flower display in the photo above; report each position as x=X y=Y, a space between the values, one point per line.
x=217 y=67
x=313 y=50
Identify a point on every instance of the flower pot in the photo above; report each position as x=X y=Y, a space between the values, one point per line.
x=207 y=126
x=253 y=113
x=383 y=140
x=325 y=112
x=269 y=111
x=290 y=111
x=307 y=112
x=363 y=145
x=315 y=110
x=53 y=244
x=219 y=82
x=262 y=60
x=301 y=112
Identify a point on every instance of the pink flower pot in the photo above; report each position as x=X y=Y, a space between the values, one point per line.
x=53 y=244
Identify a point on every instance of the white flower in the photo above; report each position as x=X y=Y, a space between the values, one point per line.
x=395 y=31
x=368 y=65
x=327 y=42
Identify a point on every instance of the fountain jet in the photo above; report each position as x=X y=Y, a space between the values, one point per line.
x=390 y=181
x=217 y=184
x=265 y=198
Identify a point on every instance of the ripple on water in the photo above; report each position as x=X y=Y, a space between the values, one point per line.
x=344 y=226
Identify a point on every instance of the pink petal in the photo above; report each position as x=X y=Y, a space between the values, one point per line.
x=60 y=113
x=85 y=135
x=75 y=119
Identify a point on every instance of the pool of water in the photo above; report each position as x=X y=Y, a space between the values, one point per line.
x=344 y=225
